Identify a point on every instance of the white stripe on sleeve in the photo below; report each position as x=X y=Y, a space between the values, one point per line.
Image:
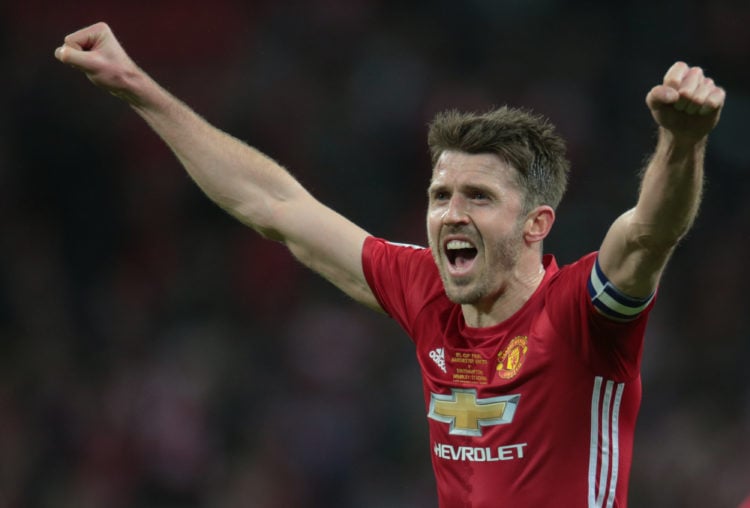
x=604 y=447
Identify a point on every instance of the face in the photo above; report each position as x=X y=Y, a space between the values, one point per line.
x=474 y=225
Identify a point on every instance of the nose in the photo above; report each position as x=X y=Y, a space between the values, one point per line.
x=455 y=211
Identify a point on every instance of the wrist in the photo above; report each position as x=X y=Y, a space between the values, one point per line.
x=140 y=91
x=680 y=145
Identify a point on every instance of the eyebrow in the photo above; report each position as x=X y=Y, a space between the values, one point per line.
x=433 y=187
x=463 y=188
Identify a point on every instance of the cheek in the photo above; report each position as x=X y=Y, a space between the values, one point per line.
x=432 y=222
x=432 y=236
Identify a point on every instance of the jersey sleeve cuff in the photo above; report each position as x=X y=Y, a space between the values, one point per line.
x=610 y=301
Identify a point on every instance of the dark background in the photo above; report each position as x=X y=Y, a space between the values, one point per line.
x=156 y=353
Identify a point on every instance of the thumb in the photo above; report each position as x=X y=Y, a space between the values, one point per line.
x=71 y=56
x=662 y=96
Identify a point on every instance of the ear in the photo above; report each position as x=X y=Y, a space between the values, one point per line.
x=538 y=224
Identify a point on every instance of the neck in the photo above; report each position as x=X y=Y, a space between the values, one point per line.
x=497 y=308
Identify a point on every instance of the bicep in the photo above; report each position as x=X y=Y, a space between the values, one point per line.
x=329 y=244
x=630 y=262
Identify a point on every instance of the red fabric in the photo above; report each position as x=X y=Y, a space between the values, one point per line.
x=562 y=367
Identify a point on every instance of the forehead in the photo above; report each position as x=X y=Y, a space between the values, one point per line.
x=454 y=167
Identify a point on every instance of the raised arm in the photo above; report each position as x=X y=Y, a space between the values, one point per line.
x=245 y=182
x=686 y=107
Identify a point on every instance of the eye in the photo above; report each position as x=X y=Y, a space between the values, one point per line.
x=479 y=195
x=439 y=195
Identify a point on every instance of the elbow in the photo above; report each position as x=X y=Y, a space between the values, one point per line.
x=263 y=221
x=272 y=218
x=659 y=231
x=650 y=238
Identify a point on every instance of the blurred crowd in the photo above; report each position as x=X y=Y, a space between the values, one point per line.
x=155 y=353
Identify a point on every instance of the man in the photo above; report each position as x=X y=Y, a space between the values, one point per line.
x=530 y=371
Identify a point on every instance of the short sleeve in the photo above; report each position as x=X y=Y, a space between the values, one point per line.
x=402 y=277
x=608 y=347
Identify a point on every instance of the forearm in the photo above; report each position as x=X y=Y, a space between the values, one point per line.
x=639 y=243
x=239 y=178
x=670 y=192
x=686 y=106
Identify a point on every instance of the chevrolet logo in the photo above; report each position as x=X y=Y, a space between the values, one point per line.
x=466 y=414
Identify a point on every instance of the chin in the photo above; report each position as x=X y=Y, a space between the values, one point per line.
x=463 y=296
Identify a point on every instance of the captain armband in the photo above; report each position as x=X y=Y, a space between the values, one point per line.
x=610 y=301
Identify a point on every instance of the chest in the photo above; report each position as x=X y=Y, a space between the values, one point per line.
x=503 y=357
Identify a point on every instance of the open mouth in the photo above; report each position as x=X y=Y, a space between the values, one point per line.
x=460 y=253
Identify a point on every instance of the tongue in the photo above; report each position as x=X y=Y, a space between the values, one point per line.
x=464 y=257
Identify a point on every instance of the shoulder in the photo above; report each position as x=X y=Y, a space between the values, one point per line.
x=583 y=285
x=401 y=264
x=393 y=255
x=565 y=292
x=403 y=278
x=571 y=274
x=580 y=265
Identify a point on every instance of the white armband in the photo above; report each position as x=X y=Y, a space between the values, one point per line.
x=610 y=301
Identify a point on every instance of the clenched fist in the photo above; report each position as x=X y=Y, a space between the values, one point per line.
x=687 y=103
x=95 y=51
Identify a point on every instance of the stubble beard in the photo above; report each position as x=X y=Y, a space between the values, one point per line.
x=506 y=252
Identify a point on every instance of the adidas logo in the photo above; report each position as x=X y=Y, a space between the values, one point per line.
x=438 y=356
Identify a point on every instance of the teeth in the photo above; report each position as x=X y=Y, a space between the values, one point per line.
x=458 y=244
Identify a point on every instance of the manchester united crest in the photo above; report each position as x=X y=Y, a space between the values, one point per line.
x=510 y=360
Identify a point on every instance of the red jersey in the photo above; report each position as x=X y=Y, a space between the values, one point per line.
x=536 y=411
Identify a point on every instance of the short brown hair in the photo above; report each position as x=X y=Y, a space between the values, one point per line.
x=524 y=140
